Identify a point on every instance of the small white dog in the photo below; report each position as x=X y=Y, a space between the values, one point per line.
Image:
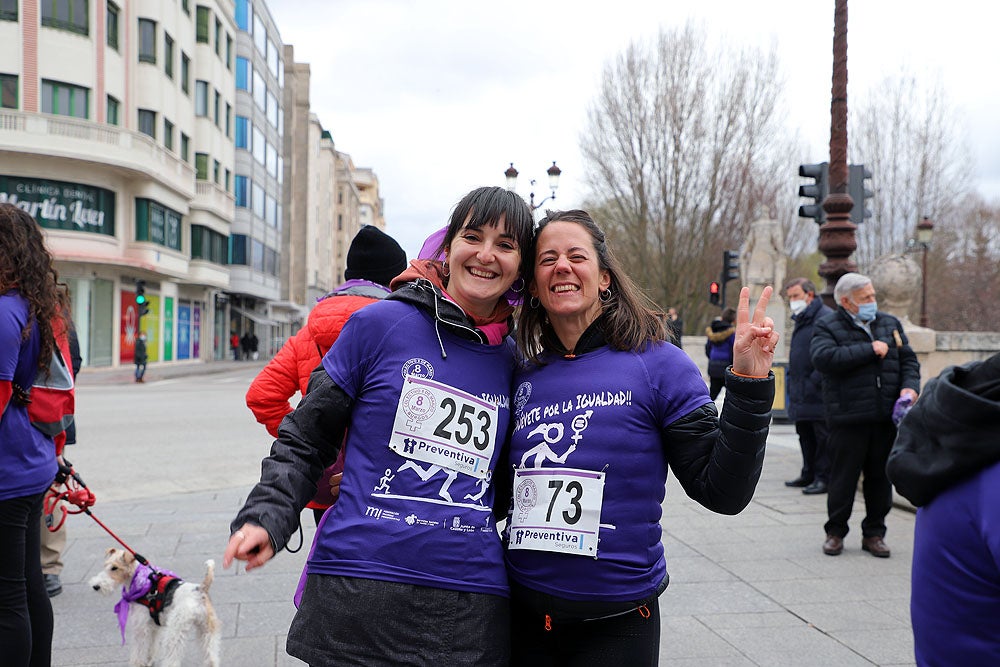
x=165 y=611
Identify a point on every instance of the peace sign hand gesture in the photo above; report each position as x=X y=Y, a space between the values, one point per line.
x=753 y=350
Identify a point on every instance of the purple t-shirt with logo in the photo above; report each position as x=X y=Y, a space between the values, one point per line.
x=423 y=443
x=27 y=456
x=600 y=412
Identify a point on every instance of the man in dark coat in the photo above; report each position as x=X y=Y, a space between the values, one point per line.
x=805 y=398
x=867 y=364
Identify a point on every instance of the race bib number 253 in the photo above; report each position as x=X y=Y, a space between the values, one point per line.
x=438 y=424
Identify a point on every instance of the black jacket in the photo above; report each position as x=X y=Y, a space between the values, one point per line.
x=310 y=437
x=858 y=387
x=950 y=433
x=804 y=386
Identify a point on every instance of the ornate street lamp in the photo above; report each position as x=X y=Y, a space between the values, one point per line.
x=553 y=172
x=925 y=232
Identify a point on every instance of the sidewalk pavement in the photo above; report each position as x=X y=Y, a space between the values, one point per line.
x=754 y=589
x=162 y=370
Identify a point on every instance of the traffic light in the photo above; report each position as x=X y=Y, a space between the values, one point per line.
x=141 y=302
x=730 y=266
x=859 y=193
x=714 y=294
x=816 y=191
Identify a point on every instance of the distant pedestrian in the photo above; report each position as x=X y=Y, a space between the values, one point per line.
x=245 y=345
x=254 y=344
x=805 y=390
x=867 y=364
x=946 y=461
x=720 y=335
x=31 y=303
x=234 y=345
x=141 y=357
x=676 y=326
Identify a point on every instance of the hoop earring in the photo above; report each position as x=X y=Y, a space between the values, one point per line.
x=447 y=269
x=605 y=296
x=517 y=289
x=533 y=302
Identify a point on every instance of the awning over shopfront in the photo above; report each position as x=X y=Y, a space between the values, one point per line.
x=256 y=317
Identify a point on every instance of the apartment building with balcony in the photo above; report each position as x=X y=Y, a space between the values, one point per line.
x=116 y=123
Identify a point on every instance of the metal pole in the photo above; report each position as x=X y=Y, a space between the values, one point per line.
x=923 y=289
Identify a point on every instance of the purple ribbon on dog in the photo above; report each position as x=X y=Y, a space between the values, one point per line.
x=137 y=589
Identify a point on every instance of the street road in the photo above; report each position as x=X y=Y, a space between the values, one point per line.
x=168 y=436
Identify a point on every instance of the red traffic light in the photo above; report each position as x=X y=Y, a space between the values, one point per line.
x=713 y=287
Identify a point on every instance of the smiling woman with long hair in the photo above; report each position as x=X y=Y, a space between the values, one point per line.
x=602 y=408
x=30 y=301
x=407 y=567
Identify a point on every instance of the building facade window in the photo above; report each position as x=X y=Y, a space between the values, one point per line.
x=201 y=98
x=113 y=111
x=244 y=73
x=156 y=223
x=8 y=10
x=147 y=41
x=209 y=245
x=216 y=172
x=147 y=122
x=216 y=108
x=72 y=15
x=218 y=37
x=65 y=99
x=228 y=180
x=112 y=25
x=238 y=249
x=272 y=58
x=243 y=12
x=259 y=91
x=241 y=191
x=185 y=73
x=272 y=110
x=260 y=35
x=257 y=200
x=229 y=52
x=168 y=135
x=242 y=139
x=259 y=148
x=229 y=120
x=168 y=56
x=203 y=15
x=201 y=166
x=8 y=91
x=185 y=147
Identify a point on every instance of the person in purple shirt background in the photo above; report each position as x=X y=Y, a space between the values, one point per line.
x=602 y=407
x=407 y=567
x=30 y=300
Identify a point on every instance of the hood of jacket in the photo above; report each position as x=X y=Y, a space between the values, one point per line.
x=718 y=332
x=950 y=433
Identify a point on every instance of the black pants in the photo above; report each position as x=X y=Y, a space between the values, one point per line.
x=715 y=386
x=632 y=638
x=857 y=449
x=25 y=610
x=813 y=439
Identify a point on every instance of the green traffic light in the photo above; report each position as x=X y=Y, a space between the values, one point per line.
x=140 y=299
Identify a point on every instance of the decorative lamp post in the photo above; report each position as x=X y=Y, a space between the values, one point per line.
x=925 y=232
x=553 y=172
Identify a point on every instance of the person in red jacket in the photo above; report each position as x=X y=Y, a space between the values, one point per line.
x=373 y=260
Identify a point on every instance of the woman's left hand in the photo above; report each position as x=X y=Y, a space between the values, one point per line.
x=753 y=350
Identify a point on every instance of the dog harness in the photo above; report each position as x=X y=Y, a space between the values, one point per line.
x=161 y=593
x=153 y=589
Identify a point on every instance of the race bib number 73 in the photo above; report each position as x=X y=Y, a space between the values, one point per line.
x=557 y=510
x=439 y=424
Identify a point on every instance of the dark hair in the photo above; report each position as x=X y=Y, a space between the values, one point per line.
x=729 y=315
x=631 y=320
x=807 y=285
x=485 y=206
x=26 y=265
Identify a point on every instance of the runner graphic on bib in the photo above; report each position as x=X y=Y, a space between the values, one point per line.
x=556 y=509
x=451 y=431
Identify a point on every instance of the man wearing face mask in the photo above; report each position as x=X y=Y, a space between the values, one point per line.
x=805 y=398
x=867 y=364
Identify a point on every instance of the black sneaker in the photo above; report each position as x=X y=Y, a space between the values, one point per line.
x=52 y=584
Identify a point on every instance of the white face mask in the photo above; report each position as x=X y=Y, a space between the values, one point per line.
x=797 y=306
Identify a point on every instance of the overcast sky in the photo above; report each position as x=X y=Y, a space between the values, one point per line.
x=440 y=96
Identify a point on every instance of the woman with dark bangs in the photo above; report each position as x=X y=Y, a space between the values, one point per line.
x=407 y=568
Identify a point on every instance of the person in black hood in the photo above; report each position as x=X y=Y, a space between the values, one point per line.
x=946 y=461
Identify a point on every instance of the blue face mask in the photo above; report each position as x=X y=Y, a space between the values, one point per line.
x=866 y=311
